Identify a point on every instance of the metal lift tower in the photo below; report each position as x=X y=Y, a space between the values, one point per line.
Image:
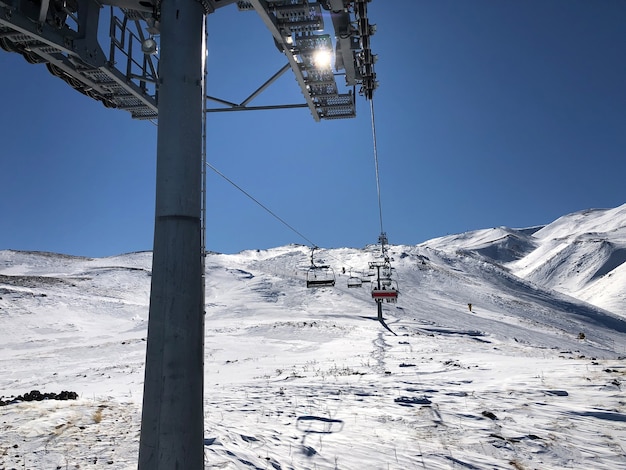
x=172 y=423
x=133 y=75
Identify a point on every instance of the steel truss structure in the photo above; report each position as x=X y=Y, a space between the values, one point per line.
x=64 y=35
x=297 y=28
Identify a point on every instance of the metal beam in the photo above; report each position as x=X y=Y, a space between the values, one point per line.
x=271 y=80
x=261 y=7
x=257 y=108
x=243 y=106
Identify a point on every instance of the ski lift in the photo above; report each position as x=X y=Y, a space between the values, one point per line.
x=354 y=281
x=319 y=275
x=385 y=290
x=384 y=287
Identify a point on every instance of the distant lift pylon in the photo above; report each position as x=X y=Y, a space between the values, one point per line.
x=319 y=275
x=384 y=287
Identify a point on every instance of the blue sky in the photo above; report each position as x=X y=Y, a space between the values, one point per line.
x=488 y=113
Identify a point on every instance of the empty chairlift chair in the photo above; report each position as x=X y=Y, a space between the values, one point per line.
x=354 y=281
x=319 y=275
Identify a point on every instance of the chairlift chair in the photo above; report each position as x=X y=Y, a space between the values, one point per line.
x=320 y=276
x=385 y=291
x=354 y=281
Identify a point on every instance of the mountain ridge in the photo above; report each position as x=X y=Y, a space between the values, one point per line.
x=580 y=254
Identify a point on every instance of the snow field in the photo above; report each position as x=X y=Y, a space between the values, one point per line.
x=297 y=378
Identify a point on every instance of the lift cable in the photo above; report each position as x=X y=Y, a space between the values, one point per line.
x=272 y=213
x=385 y=289
x=380 y=206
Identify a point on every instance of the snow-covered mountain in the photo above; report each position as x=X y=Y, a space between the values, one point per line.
x=581 y=254
x=299 y=378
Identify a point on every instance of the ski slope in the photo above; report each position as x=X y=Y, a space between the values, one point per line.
x=297 y=378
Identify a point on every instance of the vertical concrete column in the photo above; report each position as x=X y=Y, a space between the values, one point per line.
x=172 y=422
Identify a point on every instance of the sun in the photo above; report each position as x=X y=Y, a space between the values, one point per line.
x=322 y=58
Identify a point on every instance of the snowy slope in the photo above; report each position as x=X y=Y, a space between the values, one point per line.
x=299 y=378
x=581 y=254
x=500 y=244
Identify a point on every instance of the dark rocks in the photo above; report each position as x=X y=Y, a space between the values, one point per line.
x=36 y=395
x=410 y=401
